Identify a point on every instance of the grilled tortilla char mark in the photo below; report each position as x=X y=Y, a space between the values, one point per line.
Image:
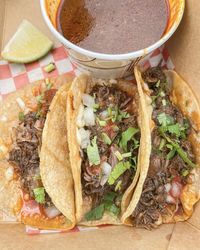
x=167 y=174
x=109 y=97
x=25 y=152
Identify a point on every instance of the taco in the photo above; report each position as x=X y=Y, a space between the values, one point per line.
x=104 y=136
x=25 y=116
x=169 y=188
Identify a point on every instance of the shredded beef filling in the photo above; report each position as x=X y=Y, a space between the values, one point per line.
x=91 y=175
x=25 y=152
x=163 y=169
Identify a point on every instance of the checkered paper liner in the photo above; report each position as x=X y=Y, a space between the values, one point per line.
x=15 y=76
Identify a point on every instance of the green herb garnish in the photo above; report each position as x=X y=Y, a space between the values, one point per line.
x=106 y=139
x=93 y=152
x=96 y=213
x=165 y=119
x=127 y=136
x=39 y=98
x=107 y=205
x=101 y=122
x=49 y=68
x=39 y=194
x=21 y=116
x=118 y=170
x=178 y=149
x=119 y=156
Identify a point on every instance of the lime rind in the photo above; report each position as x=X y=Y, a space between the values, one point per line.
x=28 y=44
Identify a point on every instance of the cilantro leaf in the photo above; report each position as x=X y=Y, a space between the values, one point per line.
x=118 y=170
x=21 y=116
x=174 y=129
x=110 y=196
x=93 y=152
x=165 y=119
x=39 y=194
x=106 y=139
x=127 y=136
x=96 y=213
x=178 y=149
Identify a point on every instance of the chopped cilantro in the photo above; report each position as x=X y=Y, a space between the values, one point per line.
x=118 y=170
x=158 y=84
x=185 y=173
x=107 y=205
x=118 y=186
x=106 y=138
x=21 y=116
x=127 y=136
x=162 y=144
x=119 y=156
x=96 y=213
x=93 y=152
x=165 y=119
x=126 y=155
x=49 y=86
x=101 y=122
x=178 y=149
x=39 y=194
x=39 y=98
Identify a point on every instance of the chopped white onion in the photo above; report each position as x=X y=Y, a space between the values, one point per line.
x=89 y=117
x=80 y=120
x=52 y=212
x=167 y=187
x=170 y=199
x=88 y=100
x=3 y=118
x=9 y=173
x=106 y=168
x=83 y=137
x=176 y=189
x=104 y=179
x=21 y=103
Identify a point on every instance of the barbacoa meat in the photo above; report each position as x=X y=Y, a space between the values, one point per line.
x=109 y=96
x=25 y=152
x=153 y=204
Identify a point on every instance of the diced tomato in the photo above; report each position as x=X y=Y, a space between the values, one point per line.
x=108 y=129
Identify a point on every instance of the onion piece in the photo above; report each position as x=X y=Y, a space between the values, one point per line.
x=79 y=120
x=21 y=103
x=52 y=212
x=83 y=137
x=176 y=189
x=89 y=117
x=170 y=199
x=106 y=168
x=168 y=187
x=88 y=100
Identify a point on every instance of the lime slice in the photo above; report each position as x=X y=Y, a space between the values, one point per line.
x=28 y=44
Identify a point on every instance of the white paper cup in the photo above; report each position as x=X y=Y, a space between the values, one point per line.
x=106 y=65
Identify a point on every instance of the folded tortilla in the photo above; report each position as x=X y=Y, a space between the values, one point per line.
x=17 y=204
x=169 y=187
x=86 y=212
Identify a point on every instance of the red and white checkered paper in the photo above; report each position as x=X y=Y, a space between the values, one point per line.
x=15 y=76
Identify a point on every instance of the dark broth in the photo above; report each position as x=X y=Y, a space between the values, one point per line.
x=113 y=26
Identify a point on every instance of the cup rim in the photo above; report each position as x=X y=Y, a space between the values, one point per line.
x=102 y=56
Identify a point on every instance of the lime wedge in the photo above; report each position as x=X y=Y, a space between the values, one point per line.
x=28 y=44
